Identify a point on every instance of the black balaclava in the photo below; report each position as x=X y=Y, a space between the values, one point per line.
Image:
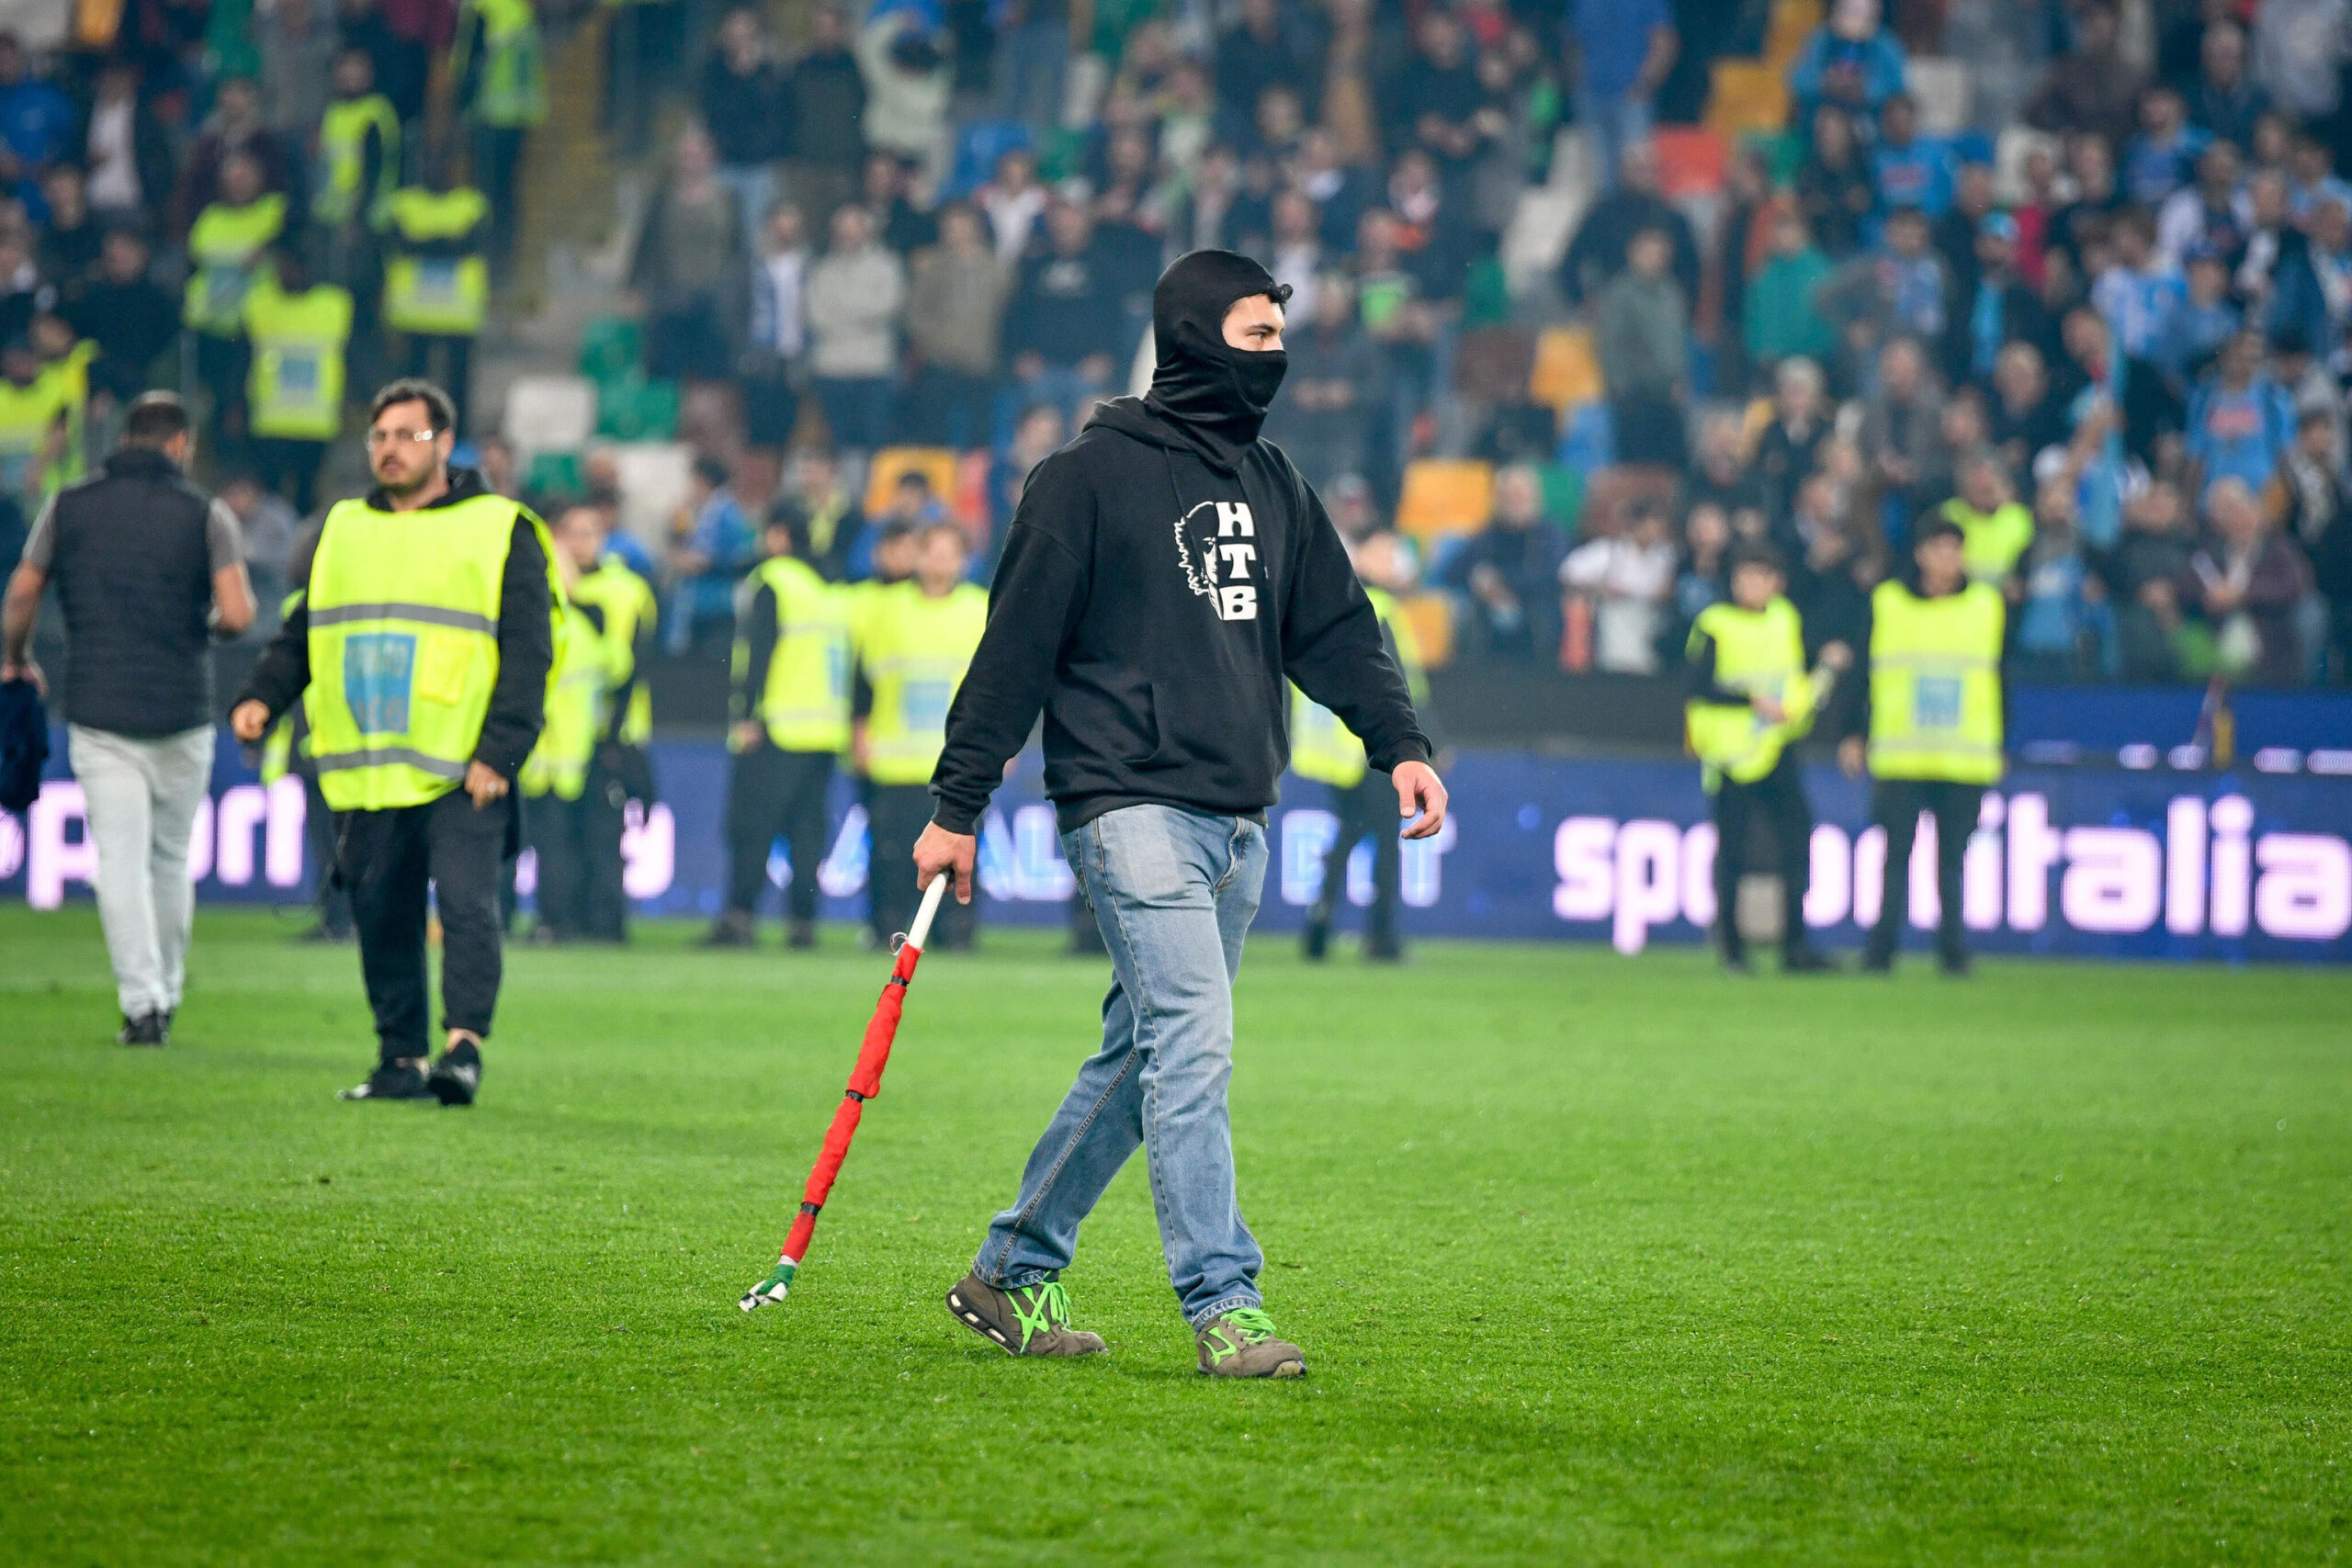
x=1217 y=393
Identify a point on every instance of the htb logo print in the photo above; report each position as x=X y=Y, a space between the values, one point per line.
x=1216 y=544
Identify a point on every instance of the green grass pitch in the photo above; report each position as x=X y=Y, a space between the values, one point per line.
x=1595 y=1260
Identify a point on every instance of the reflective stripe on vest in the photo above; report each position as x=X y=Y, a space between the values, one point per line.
x=628 y=603
x=225 y=246
x=1936 y=684
x=295 y=387
x=557 y=765
x=1324 y=749
x=1761 y=653
x=805 y=703
x=915 y=650
x=447 y=296
x=403 y=622
x=343 y=156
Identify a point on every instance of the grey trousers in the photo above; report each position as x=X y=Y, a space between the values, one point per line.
x=142 y=796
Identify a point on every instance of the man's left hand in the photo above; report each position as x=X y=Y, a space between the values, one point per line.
x=1419 y=793
x=485 y=784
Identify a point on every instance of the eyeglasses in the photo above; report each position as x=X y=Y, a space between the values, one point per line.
x=400 y=437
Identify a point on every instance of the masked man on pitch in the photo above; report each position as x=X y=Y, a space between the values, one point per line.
x=420 y=647
x=1165 y=574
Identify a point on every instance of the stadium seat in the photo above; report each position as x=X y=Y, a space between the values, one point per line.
x=1445 y=495
x=1944 y=92
x=969 y=504
x=637 y=409
x=553 y=473
x=1745 y=96
x=654 y=477
x=611 y=348
x=1782 y=152
x=1430 y=615
x=1690 y=160
x=1566 y=372
x=1564 y=495
x=1792 y=22
x=549 y=413
x=936 y=464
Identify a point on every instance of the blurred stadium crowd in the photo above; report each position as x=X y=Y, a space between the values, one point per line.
x=1585 y=294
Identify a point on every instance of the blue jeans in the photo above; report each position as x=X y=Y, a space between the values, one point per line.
x=1173 y=892
x=1614 y=124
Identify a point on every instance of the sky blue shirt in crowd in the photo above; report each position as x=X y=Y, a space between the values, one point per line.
x=2139 y=306
x=1613 y=40
x=2240 y=434
x=1920 y=175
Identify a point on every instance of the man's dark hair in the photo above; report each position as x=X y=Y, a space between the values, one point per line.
x=712 y=472
x=793 y=523
x=417 y=389
x=1757 y=552
x=155 y=419
x=1933 y=526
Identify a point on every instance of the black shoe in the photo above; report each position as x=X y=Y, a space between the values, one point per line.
x=732 y=929
x=1877 y=963
x=1734 y=961
x=1807 y=961
x=1955 y=965
x=455 y=1079
x=1315 y=941
x=391 y=1080
x=1384 y=950
x=147 y=1029
x=802 y=937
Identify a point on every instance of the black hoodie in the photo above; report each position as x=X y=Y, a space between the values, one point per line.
x=526 y=642
x=1164 y=575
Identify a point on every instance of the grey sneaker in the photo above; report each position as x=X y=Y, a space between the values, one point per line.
x=1242 y=1343
x=1028 y=1320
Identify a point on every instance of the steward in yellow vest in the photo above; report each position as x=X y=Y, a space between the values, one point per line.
x=621 y=606
x=501 y=74
x=359 y=146
x=437 y=285
x=300 y=332
x=791 y=712
x=1326 y=750
x=914 y=642
x=554 y=780
x=1933 y=716
x=226 y=245
x=1995 y=528
x=66 y=365
x=422 y=650
x=33 y=425
x=1748 y=699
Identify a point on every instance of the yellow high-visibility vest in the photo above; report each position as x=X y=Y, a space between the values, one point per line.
x=1936 y=684
x=225 y=246
x=294 y=391
x=1325 y=750
x=403 y=643
x=1761 y=653
x=29 y=414
x=343 y=157
x=915 y=650
x=805 y=703
x=628 y=604
x=70 y=375
x=443 y=295
x=1991 y=543
x=512 y=91
x=577 y=683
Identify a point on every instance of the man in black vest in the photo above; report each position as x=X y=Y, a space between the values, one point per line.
x=146 y=567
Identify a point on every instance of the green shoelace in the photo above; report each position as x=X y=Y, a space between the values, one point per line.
x=1253 y=1325
x=1046 y=1309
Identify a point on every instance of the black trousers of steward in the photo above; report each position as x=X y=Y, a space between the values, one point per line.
x=391 y=859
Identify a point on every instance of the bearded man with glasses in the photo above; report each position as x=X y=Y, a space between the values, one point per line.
x=419 y=644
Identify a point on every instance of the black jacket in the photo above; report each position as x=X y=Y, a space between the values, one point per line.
x=525 y=643
x=1152 y=601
